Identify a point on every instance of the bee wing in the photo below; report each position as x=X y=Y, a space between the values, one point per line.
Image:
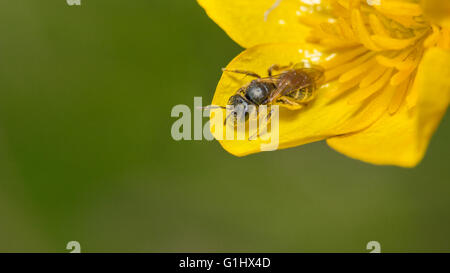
x=315 y=74
x=314 y=71
x=288 y=103
x=283 y=90
x=284 y=86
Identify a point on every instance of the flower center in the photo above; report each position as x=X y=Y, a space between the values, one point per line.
x=374 y=45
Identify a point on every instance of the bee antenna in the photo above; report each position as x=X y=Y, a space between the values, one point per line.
x=211 y=107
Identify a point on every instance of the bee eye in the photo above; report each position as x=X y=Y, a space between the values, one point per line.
x=237 y=100
x=240 y=106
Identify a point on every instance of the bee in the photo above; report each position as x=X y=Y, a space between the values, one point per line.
x=293 y=88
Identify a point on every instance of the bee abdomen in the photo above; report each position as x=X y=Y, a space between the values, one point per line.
x=302 y=95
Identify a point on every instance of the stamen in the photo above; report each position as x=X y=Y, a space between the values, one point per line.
x=377 y=26
x=358 y=70
x=403 y=74
x=330 y=29
x=363 y=94
x=398 y=97
x=399 y=8
x=339 y=11
x=334 y=73
x=374 y=75
x=394 y=62
x=388 y=43
x=344 y=3
x=345 y=57
x=340 y=89
x=377 y=47
x=413 y=94
x=411 y=61
x=432 y=40
x=361 y=31
x=346 y=30
x=354 y=4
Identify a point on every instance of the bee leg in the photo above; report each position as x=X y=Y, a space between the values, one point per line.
x=227 y=118
x=277 y=67
x=245 y=72
x=289 y=103
x=268 y=117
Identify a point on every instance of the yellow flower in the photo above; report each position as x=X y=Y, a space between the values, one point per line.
x=387 y=70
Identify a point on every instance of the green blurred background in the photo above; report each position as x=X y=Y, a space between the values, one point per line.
x=86 y=153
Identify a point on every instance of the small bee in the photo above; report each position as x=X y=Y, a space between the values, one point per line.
x=293 y=88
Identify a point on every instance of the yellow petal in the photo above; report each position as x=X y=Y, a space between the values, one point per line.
x=244 y=20
x=322 y=118
x=402 y=139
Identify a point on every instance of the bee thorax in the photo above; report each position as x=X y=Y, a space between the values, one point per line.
x=258 y=92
